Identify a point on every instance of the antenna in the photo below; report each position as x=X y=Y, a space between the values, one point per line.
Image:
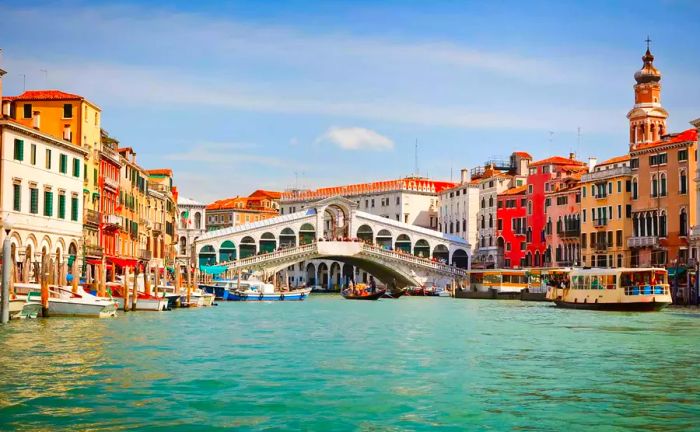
x=416 y=158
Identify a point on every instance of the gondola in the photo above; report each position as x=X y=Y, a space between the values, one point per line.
x=368 y=296
x=394 y=294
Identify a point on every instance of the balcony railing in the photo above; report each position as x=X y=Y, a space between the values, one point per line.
x=93 y=251
x=111 y=183
x=600 y=222
x=571 y=232
x=646 y=241
x=600 y=246
x=606 y=174
x=157 y=227
x=92 y=217
x=145 y=254
x=111 y=221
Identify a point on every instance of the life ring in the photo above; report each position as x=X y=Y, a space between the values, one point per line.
x=260 y=297
x=282 y=297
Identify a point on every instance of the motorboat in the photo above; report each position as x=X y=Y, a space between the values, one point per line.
x=25 y=308
x=64 y=302
x=145 y=302
x=257 y=290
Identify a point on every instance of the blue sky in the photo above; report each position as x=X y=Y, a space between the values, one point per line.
x=280 y=94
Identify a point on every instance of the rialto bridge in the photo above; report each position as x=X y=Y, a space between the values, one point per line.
x=332 y=241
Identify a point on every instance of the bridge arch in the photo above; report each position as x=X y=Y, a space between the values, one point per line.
x=335 y=279
x=441 y=253
x=460 y=258
x=422 y=248
x=227 y=251
x=403 y=243
x=287 y=238
x=322 y=275
x=268 y=242
x=307 y=234
x=365 y=233
x=311 y=274
x=247 y=247
x=384 y=239
x=207 y=255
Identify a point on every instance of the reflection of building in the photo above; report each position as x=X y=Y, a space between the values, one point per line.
x=662 y=203
x=229 y=212
x=511 y=217
x=606 y=215
x=192 y=224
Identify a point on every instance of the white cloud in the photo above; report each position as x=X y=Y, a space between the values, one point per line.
x=356 y=138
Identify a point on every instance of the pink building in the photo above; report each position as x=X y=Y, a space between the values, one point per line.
x=563 y=224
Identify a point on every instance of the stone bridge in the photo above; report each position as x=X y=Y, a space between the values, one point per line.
x=390 y=250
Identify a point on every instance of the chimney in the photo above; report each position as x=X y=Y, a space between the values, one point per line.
x=66 y=133
x=36 y=120
x=464 y=176
x=572 y=155
x=592 y=162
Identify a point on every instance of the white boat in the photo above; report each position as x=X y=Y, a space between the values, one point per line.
x=257 y=290
x=143 y=301
x=22 y=308
x=63 y=302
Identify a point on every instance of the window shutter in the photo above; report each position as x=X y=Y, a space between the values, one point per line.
x=17 y=199
x=62 y=206
x=19 y=149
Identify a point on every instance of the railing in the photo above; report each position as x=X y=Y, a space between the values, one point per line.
x=145 y=254
x=112 y=220
x=93 y=250
x=92 y=217
x=157 y=227
x=426 y=262
x=114 y=184
x=606 y=174
x=646 y=290
x=600 y=222
x=570 y=233
x=642 y=241
x=280 y=253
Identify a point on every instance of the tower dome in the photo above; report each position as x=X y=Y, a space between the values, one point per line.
x=648 y=73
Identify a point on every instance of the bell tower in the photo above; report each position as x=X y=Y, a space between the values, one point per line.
x=647 y=118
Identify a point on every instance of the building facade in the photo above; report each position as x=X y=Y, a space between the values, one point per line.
x=606 y=214
x=192 y=224
x=230 y=212
x=458 y=209
x=162 y=237
x=108 y=217
x=563 y=212
x=511 y=216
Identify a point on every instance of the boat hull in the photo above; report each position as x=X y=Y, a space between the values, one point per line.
x=615 y=307
x=218 y=291
x=63 y=307
x=154 y=304
x=373 y=296
x=288 y=296
x=24 y=309
x=394 y=294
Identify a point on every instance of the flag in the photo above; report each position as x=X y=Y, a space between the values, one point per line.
x=185 y=217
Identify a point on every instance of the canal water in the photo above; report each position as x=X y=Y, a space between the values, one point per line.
x=331 y=364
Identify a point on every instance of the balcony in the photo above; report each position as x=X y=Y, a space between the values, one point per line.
x=145 y=254
x=601 y=222
x=157 y=227
x=111 y=221
x=640 y=242
x=600 y=246
x=606 y=174
x=570 y=233
x=94 y=251
x=92 y=217
x=110 y=183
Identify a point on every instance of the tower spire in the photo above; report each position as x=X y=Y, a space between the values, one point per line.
x=647 y=118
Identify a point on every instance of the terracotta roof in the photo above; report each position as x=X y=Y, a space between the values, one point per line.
x=514 y=190
x=616 y=159
x=248 y=204
x=558 y=160
x=162 y=171
x=266 y=193
x=417 y=184
x=687 y=135
x=31 y=95
x=523 y=154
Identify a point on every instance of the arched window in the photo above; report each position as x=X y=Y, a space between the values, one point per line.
x=490 y=221
x=198 y=220
x=662 y=224
x=683 y=223
x=662 y=178
x=483 y=202
x=490 y=241
x=183 y=246
x=683 y=182
x=483 y=241
x=483 y=221
x=654 y=186
x=491 y=201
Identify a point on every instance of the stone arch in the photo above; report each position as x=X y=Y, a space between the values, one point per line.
x=73 y=249
x=59 y=249
x=365 y=233
x=247 y=247
x=227 y=251
x=287 y=238
x=183 y=245
x=348 y=273
x=441 y=253
x=422 y=248
x=323 y=275
x=403 y=243
x=31 y=247
x=183 y=219
x=384 y=239
x=335 y=280
x=198 y=220
x=16 y=245
x=307 y=234
x=310 y=274
x=268 y=242
x=460 y=258
x=45 y=247
x=336 y=220
x=207 y=255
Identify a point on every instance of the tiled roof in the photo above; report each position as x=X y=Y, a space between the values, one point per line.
x=409 y=183
x=161 y=171
x=687 y=135
x=523 y=154
x=247 y=203
x=558 y=160
x=267 y=193
x=37 y=95
x=514 y=190
x=616 y=159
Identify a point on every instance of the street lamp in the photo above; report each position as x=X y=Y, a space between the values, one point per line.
x=6 y=271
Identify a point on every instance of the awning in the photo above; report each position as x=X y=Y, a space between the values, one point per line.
x=97 y=262
x=124 y=262
x=86 y=191
x=213 y=269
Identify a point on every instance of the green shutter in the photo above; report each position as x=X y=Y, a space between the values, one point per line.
x=63 y=164
x=85 y=171
x=48 y=203
x=74 y=209
x=34 y=201
x=76 y=168
x=94 y=176
x=17 y=199
x=19 y=149
x=62 y=206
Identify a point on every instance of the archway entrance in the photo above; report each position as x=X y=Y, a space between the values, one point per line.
x=227 y=251
x=348 y=273
x=287 y=238
x=207 y=256
x=310 y=274
x=307 y=234
x=335 y=222
x=422 y=249
x=268 y=243
x=248 y=247
x=384 y=239
x=403 y=243
x=323 y=276
x=441 y=253
x=335 y=280
x=460 y=259
x=365 y=234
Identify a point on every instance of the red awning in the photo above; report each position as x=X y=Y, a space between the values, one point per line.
x=97 y=262
x=124 y=262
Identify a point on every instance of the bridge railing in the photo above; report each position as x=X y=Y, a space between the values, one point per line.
x=425 y=262
x=271 y=256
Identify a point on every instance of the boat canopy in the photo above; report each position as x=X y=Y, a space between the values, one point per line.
x=213 y=269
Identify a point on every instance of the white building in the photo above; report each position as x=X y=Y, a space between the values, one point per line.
x=458 y=209
x=41 y=178
x=192 y=225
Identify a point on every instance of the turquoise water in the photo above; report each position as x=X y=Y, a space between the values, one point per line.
x=333 y=364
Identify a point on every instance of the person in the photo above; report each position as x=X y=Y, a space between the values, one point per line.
x=351 y=287
x=372 y=285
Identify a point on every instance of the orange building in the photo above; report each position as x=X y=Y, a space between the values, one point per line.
x=229 y=212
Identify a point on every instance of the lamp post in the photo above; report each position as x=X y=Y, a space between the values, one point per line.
x=6 y=271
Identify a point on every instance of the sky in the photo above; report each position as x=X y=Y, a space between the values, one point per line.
x=285 y=94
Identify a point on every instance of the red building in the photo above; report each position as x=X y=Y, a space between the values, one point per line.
x=109 y=195
x=538 y=181
x=511 y=215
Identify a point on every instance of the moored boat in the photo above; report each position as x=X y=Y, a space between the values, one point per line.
x=363 y=295
x=25 y=308
x=256 y=290
x=145 y=302
x=394 y=294
x=614 y=289
x=64 y=302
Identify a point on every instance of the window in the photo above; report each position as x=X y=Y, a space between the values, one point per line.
x=48 y=203
x=33 y=200
x=584 y=215
x=372 y=202
x=628 y=211
x=663 y=185
x=62 y=206
x=610 y=187
x=19 y=149
x=583 y=190
x=17 y=197
x=662 y=225
x=584 y=237
x=634 y=188
x=74 y=208
x=63 y=164
x=658 y=159
x=48 y=159
x=683 y=186
x=654 y=186
x=27 y=111
x=634 y=163
x=76 y=168
x=619 y=211
x=619 y=186
x=683 y=229
x=628 y=186
x=67 y=111
x=94 y=180
x=529 y=188
x=610 y=239
x=682 y=155
x=32 y=155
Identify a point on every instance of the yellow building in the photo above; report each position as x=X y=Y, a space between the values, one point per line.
x=75 y=119
x=133 y=208
x=606 y=214
x=163 y=211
